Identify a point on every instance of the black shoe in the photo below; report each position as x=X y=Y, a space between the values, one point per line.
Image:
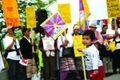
x=115 y=72
x=108 y=74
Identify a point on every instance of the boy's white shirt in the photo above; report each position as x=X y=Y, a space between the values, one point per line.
x=11 y=55
x=92 y=59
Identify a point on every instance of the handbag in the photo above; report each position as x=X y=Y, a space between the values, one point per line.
x=67 y=52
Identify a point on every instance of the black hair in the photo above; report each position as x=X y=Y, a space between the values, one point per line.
x=104 y=26
x=24 y=30
x=112 y=20
x=90 y=33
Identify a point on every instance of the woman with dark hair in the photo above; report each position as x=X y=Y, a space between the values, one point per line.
x=103 y=46
x=26 y=49
x=104 y=30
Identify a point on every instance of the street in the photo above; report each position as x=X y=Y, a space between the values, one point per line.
x=113 y=77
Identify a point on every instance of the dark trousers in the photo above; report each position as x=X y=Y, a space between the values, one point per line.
x=14 y=72
x=49 y=69
x=116 y=60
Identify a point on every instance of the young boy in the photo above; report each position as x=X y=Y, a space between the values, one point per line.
x=94 y=65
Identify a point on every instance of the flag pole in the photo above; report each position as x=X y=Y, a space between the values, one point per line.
x=84 y=71
x=83 y=63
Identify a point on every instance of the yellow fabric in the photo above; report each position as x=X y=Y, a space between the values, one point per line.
x=111 y=46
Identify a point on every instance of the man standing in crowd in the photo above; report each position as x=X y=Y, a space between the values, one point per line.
x=12 y=54
x=48 y=47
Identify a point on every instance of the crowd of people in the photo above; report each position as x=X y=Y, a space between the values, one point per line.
x=56 y=66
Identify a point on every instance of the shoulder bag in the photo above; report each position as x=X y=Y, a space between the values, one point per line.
x=67 y=51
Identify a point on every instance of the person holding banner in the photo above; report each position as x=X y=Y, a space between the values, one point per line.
x=13 y=54
x=26 y=49
x=67 y=65
x=76 y=33
x=48 y=47
x=94 y=65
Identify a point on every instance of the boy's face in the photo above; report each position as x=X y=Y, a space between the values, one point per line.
x=86 y=40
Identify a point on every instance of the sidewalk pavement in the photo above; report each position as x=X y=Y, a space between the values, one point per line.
x=113 y=77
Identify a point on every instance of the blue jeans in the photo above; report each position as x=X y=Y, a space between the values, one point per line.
x=14 y=71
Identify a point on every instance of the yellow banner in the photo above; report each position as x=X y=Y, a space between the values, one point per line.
x=30 y=17
x=77 y=43
x=113 y=8
x=10 y=11
x=64 y=10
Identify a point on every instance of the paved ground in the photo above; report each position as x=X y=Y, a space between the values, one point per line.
x=113 y=77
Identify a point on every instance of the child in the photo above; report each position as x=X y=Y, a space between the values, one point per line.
x=94 y=65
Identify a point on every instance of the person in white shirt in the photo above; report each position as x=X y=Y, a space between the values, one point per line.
x=11 y=46
x=112 y=35
x=117 y=51
x=67 y=64
x=94 y=65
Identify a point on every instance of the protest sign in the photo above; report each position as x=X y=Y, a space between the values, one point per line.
x=10 y=11
x=30 y=17
x=64 y=10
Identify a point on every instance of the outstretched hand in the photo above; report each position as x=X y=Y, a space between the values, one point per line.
x=79 y=49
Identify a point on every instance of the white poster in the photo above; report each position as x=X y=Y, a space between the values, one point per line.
x=48 y=43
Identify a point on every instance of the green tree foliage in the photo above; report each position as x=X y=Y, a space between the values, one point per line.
x=39 y=4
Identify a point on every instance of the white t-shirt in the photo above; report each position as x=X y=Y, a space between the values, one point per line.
x=92 y=58
x=111 y=33
x=11 y=55
x=117 y=39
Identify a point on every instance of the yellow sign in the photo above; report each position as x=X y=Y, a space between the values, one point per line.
x=77 y=43
x=113 y=8
x=64 y=10
x=30 y=17
x=11 y=15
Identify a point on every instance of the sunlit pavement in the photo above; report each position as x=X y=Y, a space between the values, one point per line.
x=113 y=77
